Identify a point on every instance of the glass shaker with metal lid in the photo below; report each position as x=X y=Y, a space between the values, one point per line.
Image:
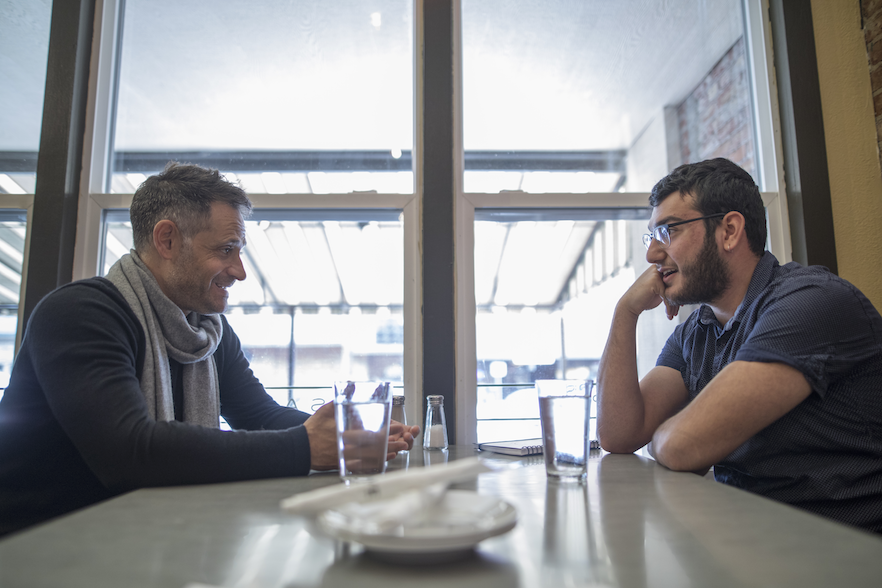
x=435 y=433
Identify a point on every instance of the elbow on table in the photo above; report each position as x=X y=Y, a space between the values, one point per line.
x=678 y=459
x=618 y=444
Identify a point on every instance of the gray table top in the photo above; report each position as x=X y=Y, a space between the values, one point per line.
x=631 y=523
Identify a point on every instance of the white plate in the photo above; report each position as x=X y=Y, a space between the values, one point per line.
x=461 y=520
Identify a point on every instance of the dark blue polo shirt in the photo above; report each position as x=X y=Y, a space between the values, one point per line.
x=825 y=455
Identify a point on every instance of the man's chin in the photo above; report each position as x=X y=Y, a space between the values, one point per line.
x=214 y=307
x=677 y=298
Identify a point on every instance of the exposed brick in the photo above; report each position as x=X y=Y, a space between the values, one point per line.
x=876 y=78
x=873 y=29
x=729 y=127
x=738 y=156
x=874 y=52
x=715 y=120
x=871 y=9
x=877 y=103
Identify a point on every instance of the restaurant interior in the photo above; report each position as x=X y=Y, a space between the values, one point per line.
x=449 y=195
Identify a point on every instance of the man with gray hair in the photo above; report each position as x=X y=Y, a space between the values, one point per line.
x=121 y=381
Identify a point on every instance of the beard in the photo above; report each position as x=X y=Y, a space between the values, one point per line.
x=705 y=279
x=187 y=285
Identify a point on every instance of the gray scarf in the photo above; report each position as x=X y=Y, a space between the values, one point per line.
x=190 y=340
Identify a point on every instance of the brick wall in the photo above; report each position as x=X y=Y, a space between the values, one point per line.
x=715 y=120
x=871 y=14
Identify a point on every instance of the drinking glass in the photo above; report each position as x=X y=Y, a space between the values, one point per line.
x=363 y=415
x=564 y=412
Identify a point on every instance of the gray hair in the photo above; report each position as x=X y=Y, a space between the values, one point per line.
x=182 y=193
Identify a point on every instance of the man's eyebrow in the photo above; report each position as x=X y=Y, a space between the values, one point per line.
x=663 y=221
x=234 y=242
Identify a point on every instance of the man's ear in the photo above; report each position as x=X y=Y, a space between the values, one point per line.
x=733 y=227
x=166 y=238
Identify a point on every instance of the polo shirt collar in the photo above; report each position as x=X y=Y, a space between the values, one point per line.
x=762 y=275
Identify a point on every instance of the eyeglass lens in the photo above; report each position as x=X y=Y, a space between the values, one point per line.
x=660 y=234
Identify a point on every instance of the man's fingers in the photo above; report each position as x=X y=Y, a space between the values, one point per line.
x=672 y=309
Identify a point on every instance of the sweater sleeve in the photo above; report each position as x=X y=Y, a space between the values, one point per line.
x=86 y=365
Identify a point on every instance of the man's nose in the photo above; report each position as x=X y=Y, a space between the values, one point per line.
x=238 y=268
x=655 y=252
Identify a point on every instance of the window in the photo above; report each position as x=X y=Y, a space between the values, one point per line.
x=308 y=105
x=545 y=292
x=13 y=230
x=292 y=96
x=24 y=45
x=572 y=111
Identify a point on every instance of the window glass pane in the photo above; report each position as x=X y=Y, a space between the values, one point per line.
x=322 y=299
x=545 y=293
x=13 y=233
x=24 y=48
x=291 y=96
x=601 y=96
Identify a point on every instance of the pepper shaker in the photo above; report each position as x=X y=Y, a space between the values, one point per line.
x=399 y=416
x=398 y=410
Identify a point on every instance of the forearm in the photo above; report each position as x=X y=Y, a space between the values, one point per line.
x=621 y=410
x=173 y=453
x=743 y=399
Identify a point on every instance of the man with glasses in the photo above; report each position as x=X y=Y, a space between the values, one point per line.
x=775 y=380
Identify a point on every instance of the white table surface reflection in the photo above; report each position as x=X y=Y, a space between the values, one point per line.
x=632 y=523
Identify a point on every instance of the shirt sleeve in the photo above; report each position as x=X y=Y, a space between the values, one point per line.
x=85 y=364
x=821 y=328
x=672 y=353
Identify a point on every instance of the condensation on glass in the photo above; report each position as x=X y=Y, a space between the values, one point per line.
x=287 y=96
x=605 y=96
x=323 y=296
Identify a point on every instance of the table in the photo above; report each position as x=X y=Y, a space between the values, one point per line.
x=632 y=523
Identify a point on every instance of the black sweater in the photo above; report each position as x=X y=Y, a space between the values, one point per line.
x=74 y=428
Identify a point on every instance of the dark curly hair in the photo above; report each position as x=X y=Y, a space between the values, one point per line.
x=718 y=185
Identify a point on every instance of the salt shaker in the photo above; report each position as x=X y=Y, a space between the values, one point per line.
x=435 y=434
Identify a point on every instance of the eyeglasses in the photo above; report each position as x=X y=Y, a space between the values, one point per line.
x=663 y=235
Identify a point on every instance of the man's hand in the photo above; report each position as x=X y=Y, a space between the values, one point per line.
x=321 y=428
x=322 y=431
x=401 y=438
x=630 y=410
x=646 y=293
